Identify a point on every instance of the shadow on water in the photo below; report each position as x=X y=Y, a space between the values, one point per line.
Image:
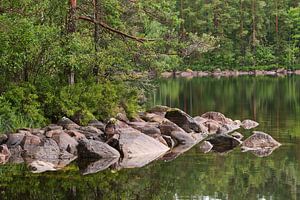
x=272 y=101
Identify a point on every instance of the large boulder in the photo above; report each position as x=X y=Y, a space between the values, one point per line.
x=171 y=129
x=249 y=124
x=183 y=120
x=47 y=151
x=93 y=149
x=139 y=149
x=259 y=140
x=223 y=143
x=4 y=154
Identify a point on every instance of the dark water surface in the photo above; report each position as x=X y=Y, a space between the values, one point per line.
x=272 y=101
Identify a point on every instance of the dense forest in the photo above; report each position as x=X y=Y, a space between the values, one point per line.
x=81 y=58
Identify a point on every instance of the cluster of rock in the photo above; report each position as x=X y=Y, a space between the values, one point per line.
x=226 y=73
x=160 y=133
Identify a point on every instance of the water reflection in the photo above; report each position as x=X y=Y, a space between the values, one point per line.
x=274 y=102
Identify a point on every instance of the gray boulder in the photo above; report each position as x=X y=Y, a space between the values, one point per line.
x=183 y=120
x=259 y=140
x=93 y=149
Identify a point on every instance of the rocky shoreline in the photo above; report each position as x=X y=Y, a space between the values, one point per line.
x=160 y=133
x=228 y=73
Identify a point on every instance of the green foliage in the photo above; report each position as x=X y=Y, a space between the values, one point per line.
x=20 y=108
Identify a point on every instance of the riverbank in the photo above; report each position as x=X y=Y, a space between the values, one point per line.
x=228 y=73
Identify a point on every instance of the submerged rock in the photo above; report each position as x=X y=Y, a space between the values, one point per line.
x=183 y=120
x=259 y=140
x=93 y=149
x=249 y=124
x=223 y=143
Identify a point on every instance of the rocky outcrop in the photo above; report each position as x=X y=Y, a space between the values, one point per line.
x=160 y=133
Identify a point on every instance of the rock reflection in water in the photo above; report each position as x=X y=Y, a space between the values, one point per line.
x=177 y=151
x=263 y=152
x=91 y=167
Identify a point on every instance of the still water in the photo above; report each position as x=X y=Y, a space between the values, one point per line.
x=272 y=101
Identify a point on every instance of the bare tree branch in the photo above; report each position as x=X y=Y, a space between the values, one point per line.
x=104 y=25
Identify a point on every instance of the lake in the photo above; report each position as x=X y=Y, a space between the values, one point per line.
x=272 y=101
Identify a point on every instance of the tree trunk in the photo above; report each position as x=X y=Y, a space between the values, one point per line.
x=71 y=28
x=253 y=25
x=97 y=17
x=242 y=28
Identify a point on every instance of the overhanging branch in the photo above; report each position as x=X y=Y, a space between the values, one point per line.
x=102 y=24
